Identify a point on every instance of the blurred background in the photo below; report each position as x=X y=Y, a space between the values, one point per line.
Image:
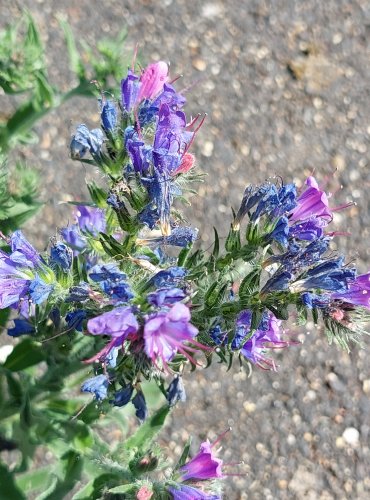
x=286 y=88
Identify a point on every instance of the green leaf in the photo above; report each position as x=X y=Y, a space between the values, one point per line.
x=4 y=315
x=8 y=488
x=85 y=492
x=98 y=194
x=147 y=432
x=123 y=488
x=34 y=480
x=216 y=246
x=74 y=57
x=27 y=353
x=184 y=454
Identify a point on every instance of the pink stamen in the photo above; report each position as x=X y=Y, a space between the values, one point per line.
x=175 y=79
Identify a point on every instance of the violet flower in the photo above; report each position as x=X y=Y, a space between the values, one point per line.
x=268 y=335
x=312 y=203
x=17 y=270
x=118 y=324
x=165 y=333
x=203 y=466
x=185 y=492
x=358 y=292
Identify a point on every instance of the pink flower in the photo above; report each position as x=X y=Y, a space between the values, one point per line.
x=165 y=333
x=152 y=80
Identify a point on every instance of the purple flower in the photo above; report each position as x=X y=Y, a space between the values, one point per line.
x=203 y=466
x=165 y=297
x=328 y=275
x=185 y=492
x=312 y=203
x=130 y=87
x=90 y=219
x=118 y=323
x=311 y=300
x=358 y=292
x=170 y=97
x=218 y=335
x=171 y=140
x=96 y=385
x=165 y=333
x=12 y=290
x=17 y=270
x=309 y=230
x=23 y=252
x=280 y=232
x=268 y=335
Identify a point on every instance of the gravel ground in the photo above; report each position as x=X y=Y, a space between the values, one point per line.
x=285 y=85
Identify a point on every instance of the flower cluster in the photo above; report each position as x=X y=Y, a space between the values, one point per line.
x=125 y=276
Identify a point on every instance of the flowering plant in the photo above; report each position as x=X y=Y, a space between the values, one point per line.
x=125 y=296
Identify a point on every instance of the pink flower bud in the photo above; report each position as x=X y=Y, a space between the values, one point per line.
x=152 y=80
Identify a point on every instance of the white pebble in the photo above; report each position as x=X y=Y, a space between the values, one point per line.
x=351 y=436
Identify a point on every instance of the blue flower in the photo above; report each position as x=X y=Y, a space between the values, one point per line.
x=96 y=385
x=112 y=281
x=21 y=327
x=243 y=326
x=79 y=293
x=169 y=277
x=140 y=405
x=312 y=300
x=176 y=391
x=280 y=232
x=218 y=335
x=111 y=358
x=108 y=115
x=61 y=255
x=84 y=141
x=75 y=319
x=278 y=281
x=39 y=290
x=123 y=396
x=329 y=275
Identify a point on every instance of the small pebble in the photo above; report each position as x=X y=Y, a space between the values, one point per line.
x=351 y=436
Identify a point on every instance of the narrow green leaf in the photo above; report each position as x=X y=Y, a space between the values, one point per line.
x=123 y=488
x=147 y=432
x=184 y=454
x=27 y=353
x=74 y=57
x=216 y=245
